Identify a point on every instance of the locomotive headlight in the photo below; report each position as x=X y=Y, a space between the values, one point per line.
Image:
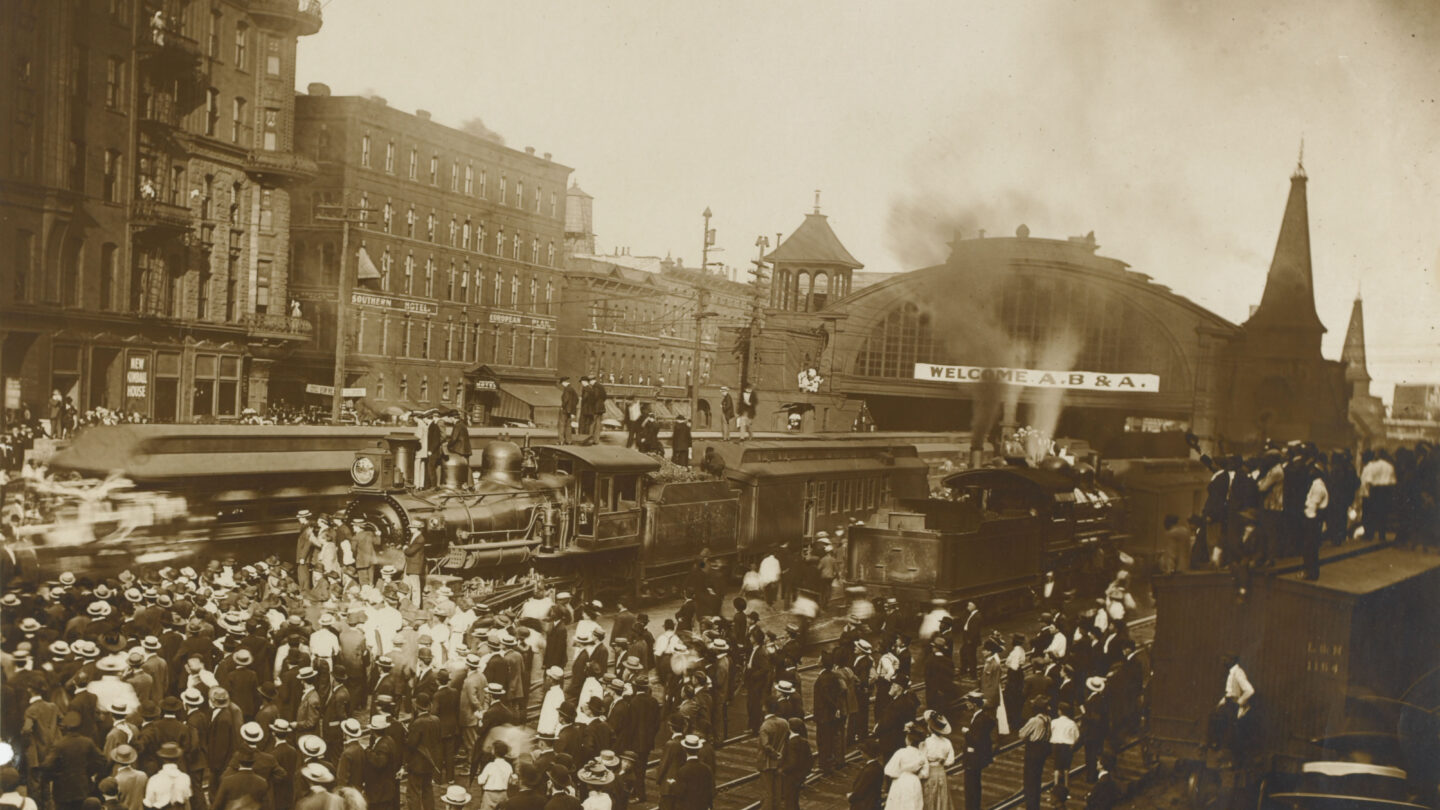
x=363 y=472
x=435 y=523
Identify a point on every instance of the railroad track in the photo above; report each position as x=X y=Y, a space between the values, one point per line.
x=1002 y=782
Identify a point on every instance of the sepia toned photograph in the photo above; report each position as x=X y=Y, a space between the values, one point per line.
x=645 y=405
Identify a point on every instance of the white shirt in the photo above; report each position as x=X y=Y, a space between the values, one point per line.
x=586 y=627
x=1317 y=499
x=889 y=665
x=439 y=633
x=1378 y=473
x=386 y=622
x=550 y=711
x=596 y=801
x=938 y=750
x=1058 y=645
x=461 y=622
x=495 y=775
x=536 y=608
x=324 y=643
x=590 y=689
x=1063 y=731
x=770 y=569
x=1237 y=686
x=664 y=642
x=168 y=786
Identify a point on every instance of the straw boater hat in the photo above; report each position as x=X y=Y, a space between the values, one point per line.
x=1095 y=683
x=29 y=625
x=192 y=697
x=863 y=646
x=311 y=747
x=351 y=728
x=124 y=755
x=495 y=688
x=555 y=673
x=170 y=750
x=252 y=732
x=379 y=722
x=317 y=774
x=692 y=742
x=632 y=662
x=608 y=759
x=456 y=796
x=785 y=687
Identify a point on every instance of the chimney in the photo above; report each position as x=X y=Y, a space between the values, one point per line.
x=378 y=100
x=317 y=89
x=423 y=115
x=529 y=150
x=547 y=155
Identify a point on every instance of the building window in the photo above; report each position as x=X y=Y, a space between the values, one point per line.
x=380 y=386
x=217 y=23
x=429 y=277
x=410 y=222
x=387 y=216
x=405 y=346
x=499 y=289
x=414 y=164
x=500 y=242
x=430 y=226
x=454 y=229
x=410 y=274
x=553 y=208
x=549 y=294
x=519 y=193
x=514 y=290
x=480 y=238
x=538 y=195
x=534 y=294
x=365 y=150
x=454 y=175
x=404 y=386
x=469 y=179
x=242 y=44
x=534 y=251
x=267 y=211
x=465 y=235
x=202 y=290
x=445 y=391
x=425 y=345
x=434 y=169
x=112 y=176
x=212 y=110
x=272 y=56
x=240 y=128
x=390 y=157
x=272 y=129
x=900 y=340
x=385 y=264
x=114 y=83
x=503 y=197
x=109 y=274
x=550 y=255
x=75 y=161
x=515 y=246
x=425 y=388
x=217 y=385
x=450 y=288
x=484 y=181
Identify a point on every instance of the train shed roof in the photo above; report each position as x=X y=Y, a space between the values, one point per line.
x=607 y=458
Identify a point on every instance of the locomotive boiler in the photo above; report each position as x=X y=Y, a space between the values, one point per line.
x=600 y=515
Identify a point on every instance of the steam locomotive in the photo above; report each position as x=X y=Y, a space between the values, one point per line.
x=992 y=536
x=601 y=515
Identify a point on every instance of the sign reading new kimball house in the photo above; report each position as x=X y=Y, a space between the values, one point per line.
x=1034 y=378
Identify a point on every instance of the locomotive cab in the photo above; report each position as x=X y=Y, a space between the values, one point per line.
x=606 y=489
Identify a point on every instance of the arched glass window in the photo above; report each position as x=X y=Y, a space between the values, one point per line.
x=900 y=340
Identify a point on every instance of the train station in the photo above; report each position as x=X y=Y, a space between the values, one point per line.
x=353 y=458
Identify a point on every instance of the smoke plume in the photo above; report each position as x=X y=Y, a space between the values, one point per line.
x=476 y=126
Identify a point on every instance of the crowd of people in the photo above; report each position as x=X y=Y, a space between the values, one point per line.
x=344 y=678
x=1290 y=500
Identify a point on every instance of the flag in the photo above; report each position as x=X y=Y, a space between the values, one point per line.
x=366 y=271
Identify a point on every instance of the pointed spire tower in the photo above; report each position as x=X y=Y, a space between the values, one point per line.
x=1288 y=304
x=1353 y=355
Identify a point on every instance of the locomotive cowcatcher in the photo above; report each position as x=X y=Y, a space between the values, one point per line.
x=604 y=516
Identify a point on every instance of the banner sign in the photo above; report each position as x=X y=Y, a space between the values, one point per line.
x=386 y=302
x=486 y=385
x=301 y=294
x=1034 y=378
x=521 y=320
x=329 y=391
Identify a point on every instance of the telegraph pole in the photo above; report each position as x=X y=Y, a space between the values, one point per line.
x=706 y=243
x=751 y=359
x=346 y=217
x=702 y=297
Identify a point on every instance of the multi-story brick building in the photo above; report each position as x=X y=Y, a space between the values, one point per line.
x=466 y=240
x=145 y=214
x=636 y=329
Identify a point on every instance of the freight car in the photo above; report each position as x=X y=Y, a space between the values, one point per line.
x=1345 y=673
x=991 y=538
x=600 y=515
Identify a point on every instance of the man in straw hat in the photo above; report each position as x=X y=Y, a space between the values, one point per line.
x=318 y=779
x=382 y=767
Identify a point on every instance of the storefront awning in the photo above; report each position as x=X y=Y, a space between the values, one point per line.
x=661 y=409
x=613 y=411
x=530 y=402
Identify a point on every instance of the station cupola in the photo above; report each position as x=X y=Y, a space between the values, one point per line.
x=811 y=267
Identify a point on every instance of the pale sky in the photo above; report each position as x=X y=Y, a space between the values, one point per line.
x=1168 y=128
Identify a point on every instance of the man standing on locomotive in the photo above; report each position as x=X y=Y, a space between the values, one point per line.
x=306 y=546
x=569 y=404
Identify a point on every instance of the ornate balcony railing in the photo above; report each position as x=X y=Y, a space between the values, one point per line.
x=301 y=15
x=269 y=324
x=167 y=50
x=159 y=218
x=280 y=167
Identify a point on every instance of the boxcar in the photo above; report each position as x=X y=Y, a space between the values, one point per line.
x=1328 y=658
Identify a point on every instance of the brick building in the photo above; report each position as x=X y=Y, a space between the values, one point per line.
x=466 y=240
x=144 y=224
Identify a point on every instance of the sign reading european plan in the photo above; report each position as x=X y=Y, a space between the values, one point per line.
x=1035 y=378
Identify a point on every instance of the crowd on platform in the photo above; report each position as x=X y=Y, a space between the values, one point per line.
x=345 y=679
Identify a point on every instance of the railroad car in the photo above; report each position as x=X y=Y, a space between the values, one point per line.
x=990 y=539
x=1345 y=673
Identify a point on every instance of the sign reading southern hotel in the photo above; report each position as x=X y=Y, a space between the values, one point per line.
x=1034 y=378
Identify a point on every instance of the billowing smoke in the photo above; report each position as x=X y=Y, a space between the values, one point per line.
x=924 y=221
x=476 y=126
x=1059 y=354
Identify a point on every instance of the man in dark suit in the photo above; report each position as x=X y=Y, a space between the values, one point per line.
x=596 y=409
x=72 y=765
x=828 y=706
x=569 y=404
x=972 y=627
x=1105 y=794
x=382 y=767
x=727 y=413
x=1215 y=511
x=680 y=441
x=672 y=756
x=645 y=724
x=794 y=765
x=979 y=748
x=242 y=787
x=865 y=788
x=424 y=754
x=497 y=714
x=447 y=708
x=745 y=411
x=350 y=765
x=694 y=781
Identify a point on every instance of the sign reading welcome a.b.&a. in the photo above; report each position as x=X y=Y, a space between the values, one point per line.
x=1035 y=378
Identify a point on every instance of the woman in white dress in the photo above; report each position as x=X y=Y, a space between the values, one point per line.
x=905 y=769
x=939 y=755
